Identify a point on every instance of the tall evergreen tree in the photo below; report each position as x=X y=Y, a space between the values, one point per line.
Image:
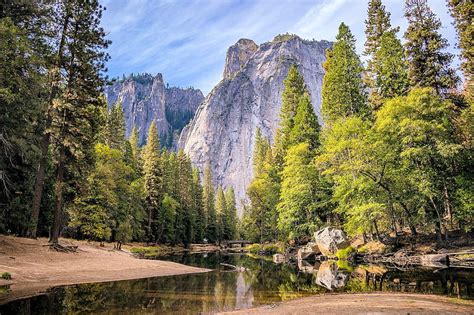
x=197 y=195
x=293 y=91
x=306 y=126
x=230 y=230
x=390 y=68
x=428 y=64
x=114 y=131
x=376 y=24
x=209 y=206
x=153 y=184
x=343 y=90
x=462 y=11
x=221 y=214
x=73 y=103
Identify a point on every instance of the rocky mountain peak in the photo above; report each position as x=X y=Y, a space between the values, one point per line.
x=222 y=133
x=238 y=55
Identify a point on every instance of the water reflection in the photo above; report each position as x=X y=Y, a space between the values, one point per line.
x=221 y=290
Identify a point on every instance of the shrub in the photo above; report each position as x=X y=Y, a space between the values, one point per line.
x=6 y=276
x=344 y=253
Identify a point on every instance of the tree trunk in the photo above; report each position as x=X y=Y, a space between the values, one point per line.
x=377 y=234
x=41 y=169
x=58 y=209
x=39 y=184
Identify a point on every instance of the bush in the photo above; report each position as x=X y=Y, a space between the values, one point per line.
x=346 y=252
x=6 y=276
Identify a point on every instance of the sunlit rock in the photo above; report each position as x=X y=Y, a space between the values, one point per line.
x=330 y=240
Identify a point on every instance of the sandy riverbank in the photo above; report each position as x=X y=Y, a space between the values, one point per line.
x=373 y=303
x=34 y=267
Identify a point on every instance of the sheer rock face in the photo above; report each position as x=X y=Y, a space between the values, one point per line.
x=145 y=98
x=222 y=132
x=238 y=55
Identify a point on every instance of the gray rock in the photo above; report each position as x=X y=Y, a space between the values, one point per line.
x=222 y=133
x=330 y=240
x=145 y=98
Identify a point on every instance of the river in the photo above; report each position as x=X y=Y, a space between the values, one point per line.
x=221 y=290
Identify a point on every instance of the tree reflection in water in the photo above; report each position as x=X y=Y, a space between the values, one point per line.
x=265 y=283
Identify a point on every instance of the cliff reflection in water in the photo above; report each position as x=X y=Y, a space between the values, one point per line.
x=265 y=283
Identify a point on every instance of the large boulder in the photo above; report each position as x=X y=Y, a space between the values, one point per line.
x=309 y=250
x=330 y=277
x=330 y=240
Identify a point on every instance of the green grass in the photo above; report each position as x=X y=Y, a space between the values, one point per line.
x=150 y=251
x=6 y=276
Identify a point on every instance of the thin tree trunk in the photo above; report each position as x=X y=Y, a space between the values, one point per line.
x=59 y=198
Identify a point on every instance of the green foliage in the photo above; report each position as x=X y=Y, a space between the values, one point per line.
x=300 y=201
x=230 y=228
x=294 y=90
x=390 y=68
x=345 y=252
x=462 y=12
x=6 y=276
x=265 y=249
x=153 y=182
x=209 y=207
x=429 y=65
x=114 y=131
x=343 y=90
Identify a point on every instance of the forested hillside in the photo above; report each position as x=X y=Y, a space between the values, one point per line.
x=396 y=149
x=66 y=167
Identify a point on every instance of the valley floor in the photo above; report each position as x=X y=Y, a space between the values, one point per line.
x=373 y=303
x=35 y=268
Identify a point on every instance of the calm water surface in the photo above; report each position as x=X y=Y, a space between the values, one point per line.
x=221 y=290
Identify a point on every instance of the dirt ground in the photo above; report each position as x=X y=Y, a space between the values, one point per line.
x=373 y=303
x=34 y=267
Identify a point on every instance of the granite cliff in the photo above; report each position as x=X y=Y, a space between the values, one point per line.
x=222 y=132
x=146 y=98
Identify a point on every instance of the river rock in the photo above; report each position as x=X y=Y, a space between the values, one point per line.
x=330 y=240
x=330 y=277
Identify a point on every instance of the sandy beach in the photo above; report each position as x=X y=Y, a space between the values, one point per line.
x=373 y=303
x=35 y=268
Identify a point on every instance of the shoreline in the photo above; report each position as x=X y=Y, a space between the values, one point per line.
x=35 y=268
x=364 y=303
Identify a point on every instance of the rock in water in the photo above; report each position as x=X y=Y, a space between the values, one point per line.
x=145 y=98
x=222 y=133
x=330 y=240
x=330 y=277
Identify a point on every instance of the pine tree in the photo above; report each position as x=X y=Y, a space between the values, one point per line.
x=22 y=83
x=391 y=74
x=298 y=213
x=209 y=207
x=293 y=91
x=221 y=213
x=153 y=184
x=462 y=11
x=198 y=206
x=73 y=111
x=306 y=127
x=230 y=229
x=259 y=218
x=377 y=23
x=114 y=131
x=343 y=90
x=428 y=65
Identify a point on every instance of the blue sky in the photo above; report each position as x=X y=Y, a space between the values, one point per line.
x=187 y=40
